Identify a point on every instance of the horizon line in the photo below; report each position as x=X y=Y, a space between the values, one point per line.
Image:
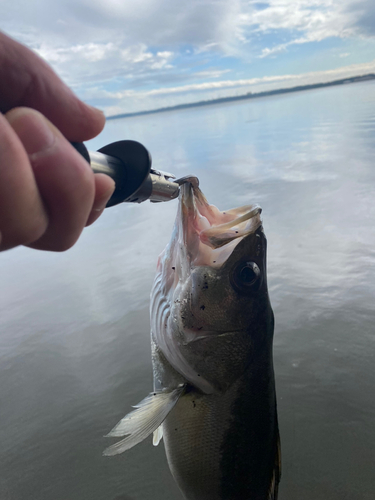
x=249 y=95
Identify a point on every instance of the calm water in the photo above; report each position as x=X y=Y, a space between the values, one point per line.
x=74 y=343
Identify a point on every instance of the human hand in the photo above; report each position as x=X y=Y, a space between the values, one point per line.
x=48 y=192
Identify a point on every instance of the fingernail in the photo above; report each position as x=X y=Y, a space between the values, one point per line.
x=37 y=134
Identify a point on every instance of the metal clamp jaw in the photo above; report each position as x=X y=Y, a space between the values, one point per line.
x=128 y=163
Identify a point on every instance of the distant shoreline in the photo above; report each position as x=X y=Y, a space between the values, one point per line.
x=354 y=79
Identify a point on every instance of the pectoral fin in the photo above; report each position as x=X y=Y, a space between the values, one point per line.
x=148 y=415
x=158 y=436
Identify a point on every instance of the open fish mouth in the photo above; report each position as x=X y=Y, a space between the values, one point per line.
x=193 y=287
x=210 y=235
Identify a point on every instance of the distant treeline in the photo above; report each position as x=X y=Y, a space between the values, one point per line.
x=249 y=95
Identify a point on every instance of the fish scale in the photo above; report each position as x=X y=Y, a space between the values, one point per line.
x=197 y=450
x=195 y=445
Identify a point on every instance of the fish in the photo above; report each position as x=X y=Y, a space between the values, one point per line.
x=214 y=400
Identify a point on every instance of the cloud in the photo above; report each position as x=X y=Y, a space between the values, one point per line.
x=275 y=50
x=306 y=21
x=107 y=48
x=182 y=89
x=153 y=22
x=229 y=28
x=132 y=100
x=316 y=19
x=362 y=13
x=122 y=40
x=100 y=62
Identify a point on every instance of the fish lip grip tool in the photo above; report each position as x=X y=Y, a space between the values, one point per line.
x=128 y=163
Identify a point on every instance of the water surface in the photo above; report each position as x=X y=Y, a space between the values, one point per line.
x=74 y=343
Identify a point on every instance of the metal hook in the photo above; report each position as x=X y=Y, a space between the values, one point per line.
x=194 y=181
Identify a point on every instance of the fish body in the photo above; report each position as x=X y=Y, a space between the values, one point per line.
x=214 y=399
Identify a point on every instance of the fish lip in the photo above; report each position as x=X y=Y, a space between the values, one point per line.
x=187 y=198
x=189 y=220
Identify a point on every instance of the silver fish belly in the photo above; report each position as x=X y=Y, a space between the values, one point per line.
x=214 y=399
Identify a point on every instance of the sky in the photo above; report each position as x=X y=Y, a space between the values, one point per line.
x=125 y=56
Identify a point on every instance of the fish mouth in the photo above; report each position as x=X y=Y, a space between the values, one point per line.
x=210 y=235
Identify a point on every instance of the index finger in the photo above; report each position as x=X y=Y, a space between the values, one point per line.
x=26 y=80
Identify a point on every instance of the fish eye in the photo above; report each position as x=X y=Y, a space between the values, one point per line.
x=246 y=277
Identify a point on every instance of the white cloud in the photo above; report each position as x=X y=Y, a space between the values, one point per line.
x=130 y=100
x=100 y=62
x=153 y=22
x=182 y=89
x=275 y=50
x=144 y=49
x=316 y=18
x=219 y=26
x=93 y=41
x=92 y=52
x=307 y=21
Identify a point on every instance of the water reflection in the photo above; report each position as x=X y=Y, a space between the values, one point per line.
x=74 y=348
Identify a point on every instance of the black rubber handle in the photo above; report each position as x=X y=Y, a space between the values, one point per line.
x=128 y=163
